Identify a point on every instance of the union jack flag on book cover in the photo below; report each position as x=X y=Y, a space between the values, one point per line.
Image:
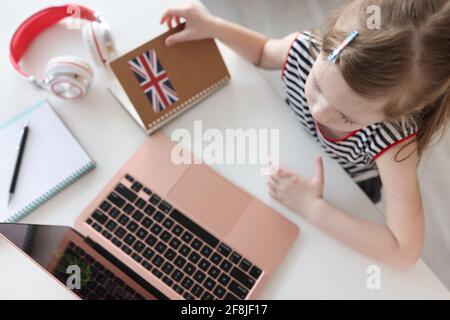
x=153 y=80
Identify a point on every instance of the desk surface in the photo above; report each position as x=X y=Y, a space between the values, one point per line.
x=317 y=267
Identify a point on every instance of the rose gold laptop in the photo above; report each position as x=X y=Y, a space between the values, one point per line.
x=182 y=231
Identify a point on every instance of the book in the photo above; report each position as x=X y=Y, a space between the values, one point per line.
x=156 y=83
x=52 y=161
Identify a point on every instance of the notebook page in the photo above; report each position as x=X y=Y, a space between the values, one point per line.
x=51 y=155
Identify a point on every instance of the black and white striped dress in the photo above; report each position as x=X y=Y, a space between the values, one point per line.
x=357 y=152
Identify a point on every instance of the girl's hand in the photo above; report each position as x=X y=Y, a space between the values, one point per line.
x=297 y=193
x=199 y=22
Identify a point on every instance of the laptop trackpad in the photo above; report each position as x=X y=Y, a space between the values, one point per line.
x=210 y=199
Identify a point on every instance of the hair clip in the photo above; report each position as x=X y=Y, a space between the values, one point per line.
x=335 y=54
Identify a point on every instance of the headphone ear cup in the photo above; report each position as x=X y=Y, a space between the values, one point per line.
x=98 y=38
x=68 y=77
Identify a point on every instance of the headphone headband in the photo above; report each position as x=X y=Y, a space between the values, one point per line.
x=36 y=24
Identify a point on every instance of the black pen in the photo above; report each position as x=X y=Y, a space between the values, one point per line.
x=20 y=151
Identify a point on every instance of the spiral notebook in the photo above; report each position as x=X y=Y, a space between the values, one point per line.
x=156 y=83
x=52 y=161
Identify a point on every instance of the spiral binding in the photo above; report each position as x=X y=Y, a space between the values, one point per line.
x=51 y=193
x=187 y=104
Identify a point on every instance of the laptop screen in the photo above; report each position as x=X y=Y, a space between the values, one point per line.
x=80 y=265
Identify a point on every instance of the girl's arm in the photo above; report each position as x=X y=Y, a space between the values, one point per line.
x=200 y=24
x=399 y=241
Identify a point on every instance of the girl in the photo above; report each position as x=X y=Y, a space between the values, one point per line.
x=373 y=98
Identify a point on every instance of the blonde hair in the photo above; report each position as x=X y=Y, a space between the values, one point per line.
x=407 y=59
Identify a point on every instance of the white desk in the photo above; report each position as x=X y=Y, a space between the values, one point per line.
x=317 y=267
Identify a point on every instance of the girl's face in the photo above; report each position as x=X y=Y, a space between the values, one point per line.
x=334 y=104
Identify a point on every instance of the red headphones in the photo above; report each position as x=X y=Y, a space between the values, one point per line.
x=67 y=77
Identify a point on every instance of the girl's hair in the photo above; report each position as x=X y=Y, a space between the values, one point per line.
x=407 y=58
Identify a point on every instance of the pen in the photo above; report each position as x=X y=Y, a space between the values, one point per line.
x=20 y=151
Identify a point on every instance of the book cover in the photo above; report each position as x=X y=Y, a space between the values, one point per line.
x=160 y=82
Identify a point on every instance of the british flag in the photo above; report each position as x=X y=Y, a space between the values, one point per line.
x=153 y=80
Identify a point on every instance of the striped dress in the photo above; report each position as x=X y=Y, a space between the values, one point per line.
x=356 y=152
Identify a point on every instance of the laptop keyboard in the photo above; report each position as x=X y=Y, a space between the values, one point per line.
x=184 y=255
x=99 y=283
